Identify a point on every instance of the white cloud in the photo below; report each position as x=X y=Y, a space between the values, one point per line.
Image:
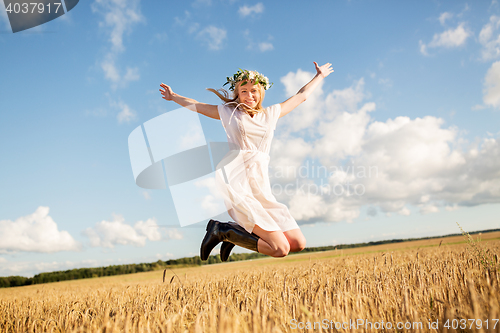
x=119 y=16
x=36 y=232
x=192 y=26
x=426 y=209
x=303 y=116
x=160 y=37
x=265 y=46
x=391 y=165
x=126 y=114
x=30 y=268
x=444 y=17
x=146 y=195
x=191 y=137
x=255 y=9
x=132 y=74
x=212 y=203
x=293 y=151
x=450 y=38
x=118 y=19
x=112 y=73
x=489 y=38
x=261 y=46
x=213 y=37
x=110 y=70
x=163 y=256
x=148 y=228
x=423 y=48
x=491 y=89
x=387 y=83
x=173 y=234
x=116 y=232
x=304 y=206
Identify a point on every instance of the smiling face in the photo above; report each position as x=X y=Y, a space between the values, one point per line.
x=250 y=94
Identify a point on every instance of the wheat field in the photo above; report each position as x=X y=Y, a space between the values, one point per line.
x=434 y=285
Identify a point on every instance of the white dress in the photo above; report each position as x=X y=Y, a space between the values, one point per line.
x=243 y=175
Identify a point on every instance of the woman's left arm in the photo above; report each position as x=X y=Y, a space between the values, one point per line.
x=305 y=91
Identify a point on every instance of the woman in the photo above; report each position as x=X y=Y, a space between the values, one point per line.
x=262 y=224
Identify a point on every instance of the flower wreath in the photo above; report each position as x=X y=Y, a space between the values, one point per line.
x=246 y=75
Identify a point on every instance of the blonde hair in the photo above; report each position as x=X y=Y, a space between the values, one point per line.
x=224 y=96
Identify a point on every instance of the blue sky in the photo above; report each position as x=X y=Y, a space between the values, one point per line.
x=414 y=98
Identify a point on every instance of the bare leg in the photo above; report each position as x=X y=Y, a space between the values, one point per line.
x=296 y=240
x=272 y=243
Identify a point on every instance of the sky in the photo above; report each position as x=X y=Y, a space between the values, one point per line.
x=401 y=141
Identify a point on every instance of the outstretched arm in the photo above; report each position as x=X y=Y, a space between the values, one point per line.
x=305 y=91
x=189 y=103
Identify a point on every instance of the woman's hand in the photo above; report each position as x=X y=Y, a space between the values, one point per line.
x=167 y=92
x=305 y=91
x=324 y=70
x=189 y=103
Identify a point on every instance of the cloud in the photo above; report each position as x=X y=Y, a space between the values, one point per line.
x=491 y=91
x=108 y=234
x=118 y=19
x=450 y=38
x=423 y=48
x=329 y=166
x=306 y=114
x=146 y=195
x=119 y=16
x=213 y=37
x=173 y=234
x=261 y=46
x=265 y=46
x=160 y=37
x=387 y=83
x=126 y=114
x=113 y=74
x=255 y=9
x=444 y=17
x=163 y=256
x=36 y=232
x=212 y=202
x=489 y=38
x=30 y=268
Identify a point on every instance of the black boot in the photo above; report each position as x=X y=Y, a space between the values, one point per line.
x=225 y=250
x=227 y=247
x=219 y=232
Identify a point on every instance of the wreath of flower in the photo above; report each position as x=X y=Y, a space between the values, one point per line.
x=246 y=75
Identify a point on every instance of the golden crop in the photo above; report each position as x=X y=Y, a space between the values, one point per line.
x=421 y=283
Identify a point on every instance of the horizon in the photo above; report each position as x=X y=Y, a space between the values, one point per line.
x=365 y=244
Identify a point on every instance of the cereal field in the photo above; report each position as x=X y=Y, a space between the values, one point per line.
x=422 y=286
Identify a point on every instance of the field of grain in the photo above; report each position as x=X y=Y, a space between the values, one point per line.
x=414 y=286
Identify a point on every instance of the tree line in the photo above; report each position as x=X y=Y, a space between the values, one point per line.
x=86 y=273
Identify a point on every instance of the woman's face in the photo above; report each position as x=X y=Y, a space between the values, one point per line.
x=249 y=94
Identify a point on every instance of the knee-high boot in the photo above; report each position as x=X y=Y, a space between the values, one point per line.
x=226 y=232
x=225 y=250
x=227 y=247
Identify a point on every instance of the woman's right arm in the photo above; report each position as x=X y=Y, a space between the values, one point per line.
x=189 y=103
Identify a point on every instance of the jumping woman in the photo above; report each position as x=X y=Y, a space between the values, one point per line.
x=262 y=223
